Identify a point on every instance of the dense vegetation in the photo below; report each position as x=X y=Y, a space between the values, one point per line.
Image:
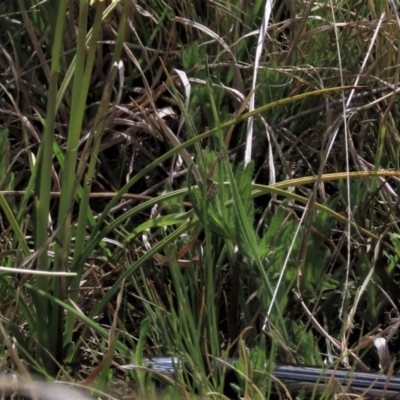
x=188 y=178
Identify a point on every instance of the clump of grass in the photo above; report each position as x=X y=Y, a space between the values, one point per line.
x=196 y=174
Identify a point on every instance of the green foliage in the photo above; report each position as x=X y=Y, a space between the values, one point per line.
x=134 y=183
x=254 y=382
x=192 y=56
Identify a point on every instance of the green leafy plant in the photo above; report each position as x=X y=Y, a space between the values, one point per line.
x=196 y=180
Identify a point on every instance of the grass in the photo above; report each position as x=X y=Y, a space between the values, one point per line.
x=184 y=179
